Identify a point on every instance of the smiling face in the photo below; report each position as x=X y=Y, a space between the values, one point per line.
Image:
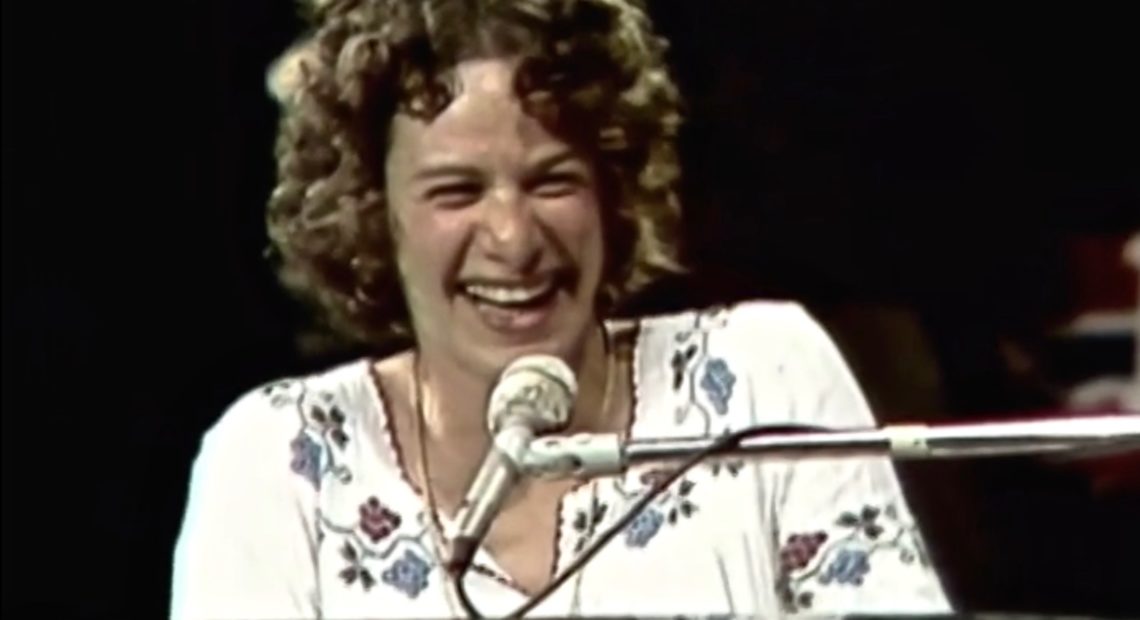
x=498 y=228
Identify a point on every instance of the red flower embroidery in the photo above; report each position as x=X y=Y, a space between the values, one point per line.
x=377 y=520
x=798 y=551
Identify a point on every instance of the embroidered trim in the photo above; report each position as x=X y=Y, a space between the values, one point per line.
x=669 y=507
x=380 y=402
x=644 y=527
x=409 y=574
x=686 y=361
x=316 y=447
x=383 y=546
x=844 y=559
x=717 y=383
x=586 y=522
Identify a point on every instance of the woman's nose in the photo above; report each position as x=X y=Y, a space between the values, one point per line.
x=510 y=232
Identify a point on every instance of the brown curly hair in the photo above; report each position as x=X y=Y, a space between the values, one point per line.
x=591 y=70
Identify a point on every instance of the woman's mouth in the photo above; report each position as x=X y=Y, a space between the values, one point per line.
x=513 y=307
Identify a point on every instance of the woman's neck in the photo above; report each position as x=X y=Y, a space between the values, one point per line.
x=455 y=398
x=455 y=420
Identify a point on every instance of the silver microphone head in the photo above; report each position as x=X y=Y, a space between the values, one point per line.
x=536 y=390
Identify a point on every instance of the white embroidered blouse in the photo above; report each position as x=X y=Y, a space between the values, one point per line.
x=299 y=506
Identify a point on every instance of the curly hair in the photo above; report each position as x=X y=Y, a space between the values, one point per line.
x=592 y=71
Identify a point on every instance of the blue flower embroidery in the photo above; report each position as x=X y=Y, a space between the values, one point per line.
x=408 y=574
x=849 y=566
x=643 y=528
x=306 y=458
x=717 y=383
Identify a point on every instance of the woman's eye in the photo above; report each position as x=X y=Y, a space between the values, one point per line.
x=557 y=185
x=455 y=194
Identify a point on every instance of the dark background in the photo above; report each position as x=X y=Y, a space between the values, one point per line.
x=923 y=164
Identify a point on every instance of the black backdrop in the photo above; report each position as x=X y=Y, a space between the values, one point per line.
x=932 y=155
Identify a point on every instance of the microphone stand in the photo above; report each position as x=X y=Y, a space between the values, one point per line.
x=588 y=455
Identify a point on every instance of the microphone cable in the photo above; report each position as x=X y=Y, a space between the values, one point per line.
x=723 y=444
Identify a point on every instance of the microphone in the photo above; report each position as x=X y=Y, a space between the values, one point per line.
x=589 y=455
x=533 y=395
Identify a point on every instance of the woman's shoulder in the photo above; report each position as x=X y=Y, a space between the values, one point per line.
x=771 y=324
x=778 y=345
x=275 y=415
x=254 y=496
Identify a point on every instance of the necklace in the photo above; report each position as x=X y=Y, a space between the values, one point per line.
x=434 y=524
x=435 y=527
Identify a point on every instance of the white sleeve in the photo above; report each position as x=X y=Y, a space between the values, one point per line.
x=845 y=536
x=247 y=544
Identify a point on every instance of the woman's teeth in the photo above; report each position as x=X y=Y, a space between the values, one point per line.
x=508 y=294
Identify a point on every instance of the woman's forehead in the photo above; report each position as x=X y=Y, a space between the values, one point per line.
x=493 y=77
x=485 y=117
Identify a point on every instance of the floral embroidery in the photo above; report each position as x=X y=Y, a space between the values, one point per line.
x=843 y=557
x=669 y=507
x=792 y=600
x=718 y=382
x=585 y=522
x=278 y=393
x=315 y=449
x=644 y=527
x=680 y=363
x=685 y=508
x=848 y=567
x=355 y=570
x=732 y=467
x=799 y=550
x=377 y=520
x=306 y=458
x=864 y=521
x=331 y=421
x=407 y=574
x=679 y=502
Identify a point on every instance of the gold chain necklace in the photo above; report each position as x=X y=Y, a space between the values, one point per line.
x=434 y=524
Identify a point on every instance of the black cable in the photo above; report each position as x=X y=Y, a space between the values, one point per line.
x=464 y=599
x=722 y=444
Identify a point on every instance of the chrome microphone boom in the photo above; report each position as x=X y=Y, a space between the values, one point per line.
x=583 y=456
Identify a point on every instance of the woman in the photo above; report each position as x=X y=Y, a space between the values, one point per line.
x=491 y=178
